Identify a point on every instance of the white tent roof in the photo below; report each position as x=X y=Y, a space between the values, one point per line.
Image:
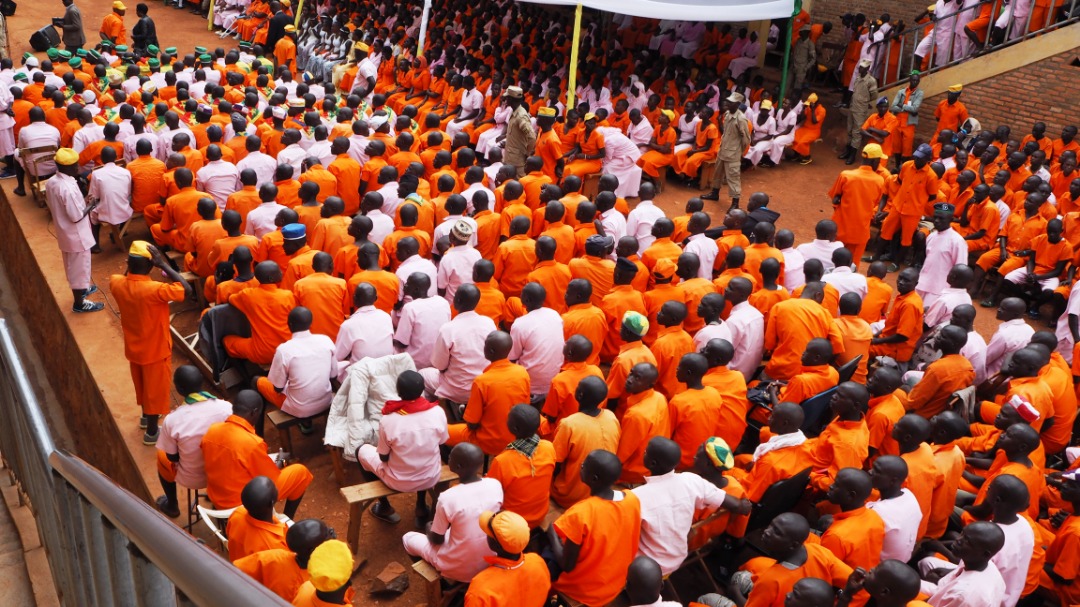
x=690 y=10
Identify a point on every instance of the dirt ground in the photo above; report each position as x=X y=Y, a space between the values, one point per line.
x=797 y=192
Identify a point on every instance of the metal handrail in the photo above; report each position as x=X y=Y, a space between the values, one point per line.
x=104 y=545
x=911 y=36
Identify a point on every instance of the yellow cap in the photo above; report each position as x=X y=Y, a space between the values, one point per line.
x=290 y=28
x=118 y=6
x=872 y=150
x=546 y=111
x=330 y=566
x=811 y=98
x=932 y=8
x=590 y=116
x=766 y=105
x=66 y=156
x=507 y=528
x=956 y=88
x=670 y=114
x=360 y=46
x=140 y=248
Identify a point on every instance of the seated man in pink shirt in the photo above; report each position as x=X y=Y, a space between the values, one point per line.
x=301 y=372
x=454 y=543
x=179 y=456
x=407 y=458
x=421 y=319
x=538 y=341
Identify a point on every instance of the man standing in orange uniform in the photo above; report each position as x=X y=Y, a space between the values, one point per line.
x=950 y=112
x=144 y=317
x=856 y=195
x=112 y=27
x=917 y=185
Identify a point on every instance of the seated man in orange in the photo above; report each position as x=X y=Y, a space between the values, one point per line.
x=254 y=526
x=944 y=376
x=696 y=411
x=904 y=324
x=781 y=457
x=284 y=570
x=578 y=435
x=526 y=467
x=704 y=148
x=596 y=539
x=330 y=571
x=793 y=323
x=731 y=385
x=267 y=309
x=181 y=210
x=587 y=157
x=845 y=441
x=816 y=376
x=495 y=391
x=856 y=533
x=513 y=577
x=234 y=454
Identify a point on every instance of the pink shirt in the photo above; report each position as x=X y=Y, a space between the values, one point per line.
x=965 y=588
x=793 y=269
x=706 y=250
x=710 y=332
x=382 y=225
x=1014 y=558
x=668 y=504
x=640 y=221
x=902 y=517
x=112 y=186
x=260 y=221
x=1010 y=337
x=461 y=556
x=413 y=265
x=942 y=308
x=302 y=367
x=943 y=251
x=747 y=327
x=419 y=326
x=846 y=281
x=263 y=165
x=182 y=433
x=459 y=354
x=412 y=440
x=538 y=344
x=820 y=250
x=456 y=269
x=219 y=179
x=368 y=333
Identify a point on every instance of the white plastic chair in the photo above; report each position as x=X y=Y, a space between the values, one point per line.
x=216 y=519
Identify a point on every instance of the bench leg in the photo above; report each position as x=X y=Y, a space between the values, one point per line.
x=434 y=593
x=356 y=512
x=285 y=436
x=339 y=465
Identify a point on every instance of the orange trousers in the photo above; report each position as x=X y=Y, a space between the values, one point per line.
x=907 y=224
x=269 y=392
x=166 y=468
x=152 y=384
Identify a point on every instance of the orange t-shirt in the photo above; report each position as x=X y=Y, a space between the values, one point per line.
x=588 y=321
x=276 y=569
x=579 y=435
x=144 y=315
x=386 y=287
x=233 y=455
x=608 y=532
x=267 y=309
x=248 y=535
x=328 y=298
x=646 y=416
x=790 y=327
x=526 y=481
x=695 y=416
x=502 y=385
x=621 y=299
x=561 y=402
x=670 y=346
x=856 y=537
x=554 y=277
x=772 y=585
x=514 y=259
x=923 y=480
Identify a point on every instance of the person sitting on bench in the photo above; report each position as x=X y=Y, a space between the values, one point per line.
x=300 y=374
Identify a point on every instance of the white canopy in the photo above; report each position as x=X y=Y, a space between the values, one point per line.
x=689 y=10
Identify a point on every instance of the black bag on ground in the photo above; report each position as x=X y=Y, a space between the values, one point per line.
x=7 y=7
x=44 y=39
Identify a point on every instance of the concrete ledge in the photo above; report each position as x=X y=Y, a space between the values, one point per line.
x=1001 y=61
x=89 y=374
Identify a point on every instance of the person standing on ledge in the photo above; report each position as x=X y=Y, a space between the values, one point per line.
x=71 y=24
x=73 y=232
x=520 y=138
x=733 y=142
x=112 y=27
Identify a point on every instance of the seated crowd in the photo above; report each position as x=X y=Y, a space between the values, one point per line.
x=614 y=389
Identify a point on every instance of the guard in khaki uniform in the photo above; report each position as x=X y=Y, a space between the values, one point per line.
x=520 y=135
x=733 y=144
x=864 y=93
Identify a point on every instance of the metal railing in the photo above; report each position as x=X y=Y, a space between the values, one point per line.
x=899 y=52
x=104 y=545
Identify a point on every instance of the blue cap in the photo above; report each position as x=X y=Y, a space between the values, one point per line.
x=924 y=151
x=294 y=231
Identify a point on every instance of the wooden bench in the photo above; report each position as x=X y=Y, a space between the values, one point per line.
x=436 y=596
x=361 y=496
x=590 y=185
x=705 y=176
x=283 y=422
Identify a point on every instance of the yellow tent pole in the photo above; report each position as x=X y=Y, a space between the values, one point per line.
x=210 y=17
x=572 y=81
x=299 y=10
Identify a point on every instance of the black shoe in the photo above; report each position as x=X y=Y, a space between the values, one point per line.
x=386 y=516
x=88 y=306
x=712 y=195
x=844 y=155
x=169 y=510
x=734 y=204
x=19 y=192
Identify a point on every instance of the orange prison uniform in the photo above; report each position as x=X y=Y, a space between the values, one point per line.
x=772 y=585
x=514 y=259
x=332 y=233
x=732 y=388
x=809 y=382
x=579 y=435
x=1064 y=554
x=560 y=401
x=630 y=354
x=588 y=321
x=525 y=582
x=670 y=346
x=884 y=412
x=706 y=134
x=492 y=301
x=526 y=481
x=887 y=123
x=695 y=290
x=347 y=172
x=774 y=466
x=113 y=27
x=248 y=535
x=300 y=265
x=234 y=454
x=905 y=318
x=949 y=116
x=653 y=161
x=856 y=537
x=728 y=240
x=1019 y=233
x=181 y=210
x=860 y=191
x=590 y=145
x=224 y=247
x=810 y=130
x=385 y=283
x=660 y=248
x=1058 y=377
x=1033 y=477
x=621 y=299
x=941 y=378
x=608 y=532
x=982 y=216
x=554 y=277
x=914 y=188
x=695 y=416
x=328 y=298
x=923 y=480
x=204 y=234
x=390 y=243
x=758 y=252
x=276 y=569
x=878 y=295
x=242 y=201
x=502 y=385
x=949 y=460
x=791 y=325
x=599 y=272
x=267 y=309
x=843 y=444
x=645 y=417
x=487 y=233
x=857 y=335
x=309 y=215
x=765 y=299
x=533 y=183
x=144 y=318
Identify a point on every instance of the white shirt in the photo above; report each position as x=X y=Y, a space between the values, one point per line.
x=965 y=588
x=461 y=556
x=468 y=193
x=710 y=332
x=614 y=225
x=368 y=333
x=293 y=155
x=166 y=136
x=747 y=327
x=132 y=142
x=942 y=308
x=641 y=133
x=182 y=432
x=302 y=367
x=112 y=186
x=391 y=200
x=36 y=135
x=1064 y=334
x=706 y=250
x=1014 y=558
x=459 y=354
x=821 y=250
x=219 y=179
x=443 y=229
x=85 y=136
x=470 y=102
x=538 y=344
x=321 y=150
x=975 y=351
x=902 y=517
x=263 y=165
x=419 y=326
x=846 y=281
x=1010 y=337
x=66 y=204
x=260 y=221
x=668 y=504
x=793 y=269
x=640 y=221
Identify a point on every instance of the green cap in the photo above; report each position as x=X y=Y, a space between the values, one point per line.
x=52 y=53
x=636 y=323
x=75 y=62
x=152 y=49
x=81 y=52
x=121 y=48
x=205 y=58
x=154 y=63
x=106 y=44
x=65 y=55
x=199 y=50
x=171 y=50
x=96 y=56
x=244 y=44
x=27 y=55
x=20 y=76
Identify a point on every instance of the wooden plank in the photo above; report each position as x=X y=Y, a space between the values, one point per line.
x=376 y=489
x=426 y=571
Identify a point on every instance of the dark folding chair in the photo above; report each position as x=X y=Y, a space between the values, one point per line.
x=780 y=497
x=816 y=411
x=847 y=370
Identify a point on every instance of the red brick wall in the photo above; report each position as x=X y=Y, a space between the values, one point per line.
x=898 y=10
x=1044 y=90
